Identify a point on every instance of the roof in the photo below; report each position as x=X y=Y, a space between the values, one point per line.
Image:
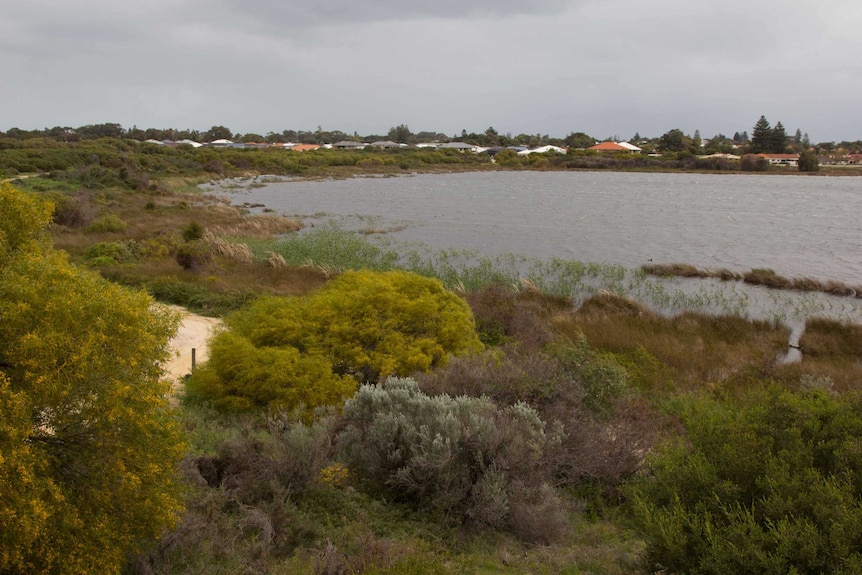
x=304 y=147
x=628 y=146
x=780 y=156
x=542 y=150
x=457 y=146
x=385 y=144
x=609 y=147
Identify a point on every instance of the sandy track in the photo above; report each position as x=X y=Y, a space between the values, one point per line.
x=194 y=333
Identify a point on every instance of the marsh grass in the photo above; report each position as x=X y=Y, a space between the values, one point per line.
x=832 y=355
x=686 y=352
x=759 y=276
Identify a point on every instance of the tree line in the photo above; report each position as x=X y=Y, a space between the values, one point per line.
x=764 y=138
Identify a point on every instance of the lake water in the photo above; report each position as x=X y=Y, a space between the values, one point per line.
x=798 y=226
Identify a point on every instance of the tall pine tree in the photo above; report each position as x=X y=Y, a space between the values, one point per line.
x=761 y=137
x=778 y=139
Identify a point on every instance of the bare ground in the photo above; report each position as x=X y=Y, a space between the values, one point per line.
x=194 y=333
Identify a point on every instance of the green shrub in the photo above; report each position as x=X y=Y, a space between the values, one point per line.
x=107 y=223
x=771 y=486
x=192 y=255
x=193 y=231
x=753 y=163
x=314 y=350
x=601 y=376
x=457 y=456
x=119 y=252
x=808 y=161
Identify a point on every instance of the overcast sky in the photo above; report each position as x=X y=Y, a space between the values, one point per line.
x=604 y=67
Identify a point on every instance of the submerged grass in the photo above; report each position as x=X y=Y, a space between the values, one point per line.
x=759 y=276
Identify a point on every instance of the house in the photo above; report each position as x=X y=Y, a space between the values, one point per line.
x=615 y=147
x=348 y=145
x=385 y=144
x=630 y=147
x=460 y=146
x=781 y=159
x=304 y=147
x=721 y=156
x=542 y=150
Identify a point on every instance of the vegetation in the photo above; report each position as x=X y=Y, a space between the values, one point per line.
x=461 y=457
x=88 y=444
x=543 y=436
x=808 y=162
x=770 y=484
x=315 y=350
x=759 y=276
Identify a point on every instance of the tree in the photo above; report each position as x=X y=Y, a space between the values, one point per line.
x=579 y=140
x=88 y=444
x=400 y=134
x=761 y=137
x=673 y=141
x=251 y=137
x=778 y=139
x=808 y=161
x=217 y=133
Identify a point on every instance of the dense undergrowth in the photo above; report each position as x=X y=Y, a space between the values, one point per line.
x=589 y=436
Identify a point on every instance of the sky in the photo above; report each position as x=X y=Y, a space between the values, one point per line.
x=604 y=67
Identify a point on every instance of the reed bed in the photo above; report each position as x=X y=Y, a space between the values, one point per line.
x=758 y=276
x=331 y=249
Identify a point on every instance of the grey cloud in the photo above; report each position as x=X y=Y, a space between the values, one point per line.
x=274 y=14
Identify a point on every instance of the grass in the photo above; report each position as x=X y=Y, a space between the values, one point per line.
x=758 y=276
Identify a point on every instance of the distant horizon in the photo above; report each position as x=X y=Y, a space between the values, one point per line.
x=454 y=136
x=548 y=66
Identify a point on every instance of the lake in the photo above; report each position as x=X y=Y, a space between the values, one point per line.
x=799 y=226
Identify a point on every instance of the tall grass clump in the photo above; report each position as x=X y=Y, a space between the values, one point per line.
x=328 y=246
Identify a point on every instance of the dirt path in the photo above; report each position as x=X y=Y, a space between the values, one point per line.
x=194 y=333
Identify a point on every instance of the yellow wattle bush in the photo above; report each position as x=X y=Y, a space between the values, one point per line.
x=315 y=350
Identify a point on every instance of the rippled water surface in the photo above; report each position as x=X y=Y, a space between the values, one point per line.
x=798 y=226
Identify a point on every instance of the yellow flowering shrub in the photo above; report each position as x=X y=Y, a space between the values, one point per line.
x=315 y=350
x=88 y=444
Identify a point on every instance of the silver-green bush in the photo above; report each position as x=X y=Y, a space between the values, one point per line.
x=461 y=457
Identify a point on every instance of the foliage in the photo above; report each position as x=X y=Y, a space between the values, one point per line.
x=111 y=253
x=313 y=350
x=753 y=163
x=88 y=445
x=193 y=231
x=808 y=161
x=461 y=456
x=673 y=141
x=761 y=137
x=773 y=485
x=240 y=376
x=766 y=139
x=192 y=256
x=108 y=223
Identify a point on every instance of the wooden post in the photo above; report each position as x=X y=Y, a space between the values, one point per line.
x=193 y=360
